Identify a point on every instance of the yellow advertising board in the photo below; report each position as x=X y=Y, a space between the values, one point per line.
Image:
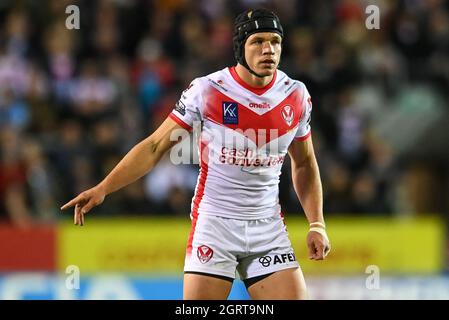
x=393 y=245
x=124 y=245
x=158 y=245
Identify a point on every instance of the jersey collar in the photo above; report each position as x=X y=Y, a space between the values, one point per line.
x=258 y=91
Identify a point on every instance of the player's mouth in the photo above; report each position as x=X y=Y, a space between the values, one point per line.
x=268 y=62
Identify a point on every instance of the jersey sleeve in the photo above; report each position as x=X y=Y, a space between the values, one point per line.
x=188 y=108
x=304 y=130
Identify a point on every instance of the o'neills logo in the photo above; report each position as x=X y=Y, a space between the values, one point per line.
x=248 y=158
x=264 y=105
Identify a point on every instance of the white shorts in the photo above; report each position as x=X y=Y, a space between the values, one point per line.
x=239 y=248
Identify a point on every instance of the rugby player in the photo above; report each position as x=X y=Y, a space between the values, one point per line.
x=251 y=116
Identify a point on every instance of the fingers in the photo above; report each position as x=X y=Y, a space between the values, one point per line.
x=73 y=202
x=80 y=211
x=327 y=249
x=80 y=208
x=321 y=252
x=314 y=247
x=318 y=251
x=76 y=215
x=318 y=243
x=312 y=251
x=86 y=208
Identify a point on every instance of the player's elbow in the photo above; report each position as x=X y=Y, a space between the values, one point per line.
x=147 y=148
x=152 y=146
x=158 y=147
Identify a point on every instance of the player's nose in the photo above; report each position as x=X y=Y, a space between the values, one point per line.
x=267 y=48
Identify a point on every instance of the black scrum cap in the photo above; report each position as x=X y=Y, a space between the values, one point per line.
x=249 y=22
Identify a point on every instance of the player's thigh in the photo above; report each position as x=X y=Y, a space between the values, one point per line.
x=287 y=284
x=203 y=287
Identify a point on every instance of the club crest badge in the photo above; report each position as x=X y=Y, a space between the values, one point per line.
x=204 y=253
x=288 y=114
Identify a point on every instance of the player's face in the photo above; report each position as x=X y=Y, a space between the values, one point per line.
x=263 y=52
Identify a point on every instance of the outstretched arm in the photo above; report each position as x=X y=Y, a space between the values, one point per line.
x=136 y=163
x=307 y=184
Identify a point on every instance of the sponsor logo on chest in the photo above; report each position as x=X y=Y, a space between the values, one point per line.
x=230 y=112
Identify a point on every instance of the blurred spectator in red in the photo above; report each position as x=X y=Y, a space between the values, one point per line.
x=14 y=205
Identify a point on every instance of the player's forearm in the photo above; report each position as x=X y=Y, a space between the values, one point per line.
x=136 y=163
x=307 y=184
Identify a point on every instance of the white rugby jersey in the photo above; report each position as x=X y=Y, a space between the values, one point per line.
x=245 y=135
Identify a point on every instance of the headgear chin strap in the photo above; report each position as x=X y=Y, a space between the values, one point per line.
x=249 y=22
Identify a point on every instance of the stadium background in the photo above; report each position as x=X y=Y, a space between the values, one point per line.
x=72 y=102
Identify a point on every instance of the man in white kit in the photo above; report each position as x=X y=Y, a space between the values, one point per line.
x=251 y=116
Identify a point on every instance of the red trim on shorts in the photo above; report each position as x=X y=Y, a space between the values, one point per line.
x=305 y=137
x=258 y=91
x=179 y=121
x=282 y=217
x=204 y=156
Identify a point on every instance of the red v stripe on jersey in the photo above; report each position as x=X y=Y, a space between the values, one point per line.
x=251 y=122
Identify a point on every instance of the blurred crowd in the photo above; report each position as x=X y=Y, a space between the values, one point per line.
x=73 y=102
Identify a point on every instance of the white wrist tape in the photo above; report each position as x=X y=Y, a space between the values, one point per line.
x=317 y=224
x=320 y=231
